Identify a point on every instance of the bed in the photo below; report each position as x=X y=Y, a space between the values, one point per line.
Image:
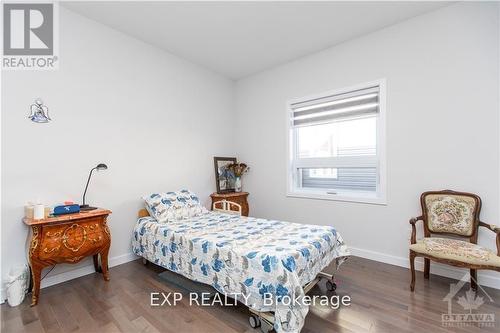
x=247 y=256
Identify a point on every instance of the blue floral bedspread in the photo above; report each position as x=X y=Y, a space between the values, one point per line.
x=244 y=255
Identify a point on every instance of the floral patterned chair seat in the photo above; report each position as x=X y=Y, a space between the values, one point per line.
x=454 y=249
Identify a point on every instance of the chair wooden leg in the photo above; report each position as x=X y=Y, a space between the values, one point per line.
x=412 y=268
x=427 y=267
x=473 y=279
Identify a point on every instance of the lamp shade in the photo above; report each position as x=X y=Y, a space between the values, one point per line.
x=101 y=166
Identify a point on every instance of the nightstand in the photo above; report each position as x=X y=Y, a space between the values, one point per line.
x=68 y=239
x=238 y=197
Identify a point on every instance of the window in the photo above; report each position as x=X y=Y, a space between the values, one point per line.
x=337 y=146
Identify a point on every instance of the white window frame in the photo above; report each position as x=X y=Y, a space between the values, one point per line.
x=379 y=197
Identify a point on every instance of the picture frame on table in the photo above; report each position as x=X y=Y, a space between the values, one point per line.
x=224 y=178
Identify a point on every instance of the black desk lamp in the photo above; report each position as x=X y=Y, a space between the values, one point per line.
x=100 y=166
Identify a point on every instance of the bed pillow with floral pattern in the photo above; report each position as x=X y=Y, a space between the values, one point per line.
x=173 y=206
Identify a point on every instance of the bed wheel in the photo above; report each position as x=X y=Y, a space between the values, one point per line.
x=331 y=286
x=254 y=321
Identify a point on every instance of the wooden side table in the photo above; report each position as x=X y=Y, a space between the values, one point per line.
x=68 y=239
x=238 y=197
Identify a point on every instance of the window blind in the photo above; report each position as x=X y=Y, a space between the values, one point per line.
x=353 y=179
x=362 y=102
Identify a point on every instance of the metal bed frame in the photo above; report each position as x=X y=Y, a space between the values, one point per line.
x=257 y=319
x=225 y=207
x=265 y=320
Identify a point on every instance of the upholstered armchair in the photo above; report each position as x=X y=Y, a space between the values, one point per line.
x=454 y=214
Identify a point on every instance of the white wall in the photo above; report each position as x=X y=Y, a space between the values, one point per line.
x=154 y=119
x=442 y=73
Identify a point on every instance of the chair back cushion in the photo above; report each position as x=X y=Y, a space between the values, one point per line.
x=451 y=212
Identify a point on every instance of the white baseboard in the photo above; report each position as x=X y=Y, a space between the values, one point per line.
x=89 y=269
x=485 y=278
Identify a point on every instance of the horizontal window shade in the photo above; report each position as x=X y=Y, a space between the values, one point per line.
x=336 y=99
x=350 y=179
x=359 y=103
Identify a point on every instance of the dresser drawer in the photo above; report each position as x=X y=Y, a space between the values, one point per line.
x=70 y=242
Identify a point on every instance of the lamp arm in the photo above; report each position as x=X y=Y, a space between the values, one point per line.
x=86 y=186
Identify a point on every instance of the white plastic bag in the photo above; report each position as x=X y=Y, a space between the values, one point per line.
x=17 y=284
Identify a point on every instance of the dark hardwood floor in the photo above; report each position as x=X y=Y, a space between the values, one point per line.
x=381 y=302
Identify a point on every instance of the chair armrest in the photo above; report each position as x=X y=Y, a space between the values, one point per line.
x=413 y=221
x=492 y=227
x=496 y=230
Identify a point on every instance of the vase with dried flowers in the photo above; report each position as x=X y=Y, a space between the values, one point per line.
x=238 y=170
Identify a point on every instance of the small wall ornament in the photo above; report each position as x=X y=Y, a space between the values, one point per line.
x=39 y=113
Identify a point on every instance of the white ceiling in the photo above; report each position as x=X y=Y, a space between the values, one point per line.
x=238 y=39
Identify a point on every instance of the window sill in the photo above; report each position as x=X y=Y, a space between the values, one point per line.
x=364 y=198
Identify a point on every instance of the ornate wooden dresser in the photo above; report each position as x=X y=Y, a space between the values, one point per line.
x=68 y=239
x=238 y=197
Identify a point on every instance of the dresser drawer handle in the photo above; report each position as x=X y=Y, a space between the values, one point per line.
x=75 y=259
x=95 y=240
x=46 y=250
